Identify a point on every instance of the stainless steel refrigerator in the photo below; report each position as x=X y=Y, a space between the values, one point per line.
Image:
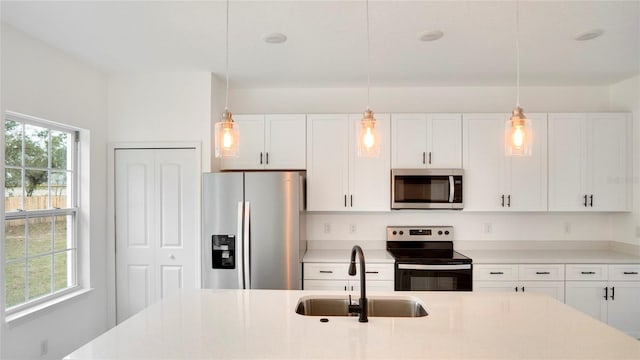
x=251 y=230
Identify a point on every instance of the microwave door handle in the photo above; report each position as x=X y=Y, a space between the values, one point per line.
x=451 y=189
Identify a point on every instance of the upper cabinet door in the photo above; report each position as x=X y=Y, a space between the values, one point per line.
x=444 y=145
x=409 y=141
x=285 y=142
x=370 y=178
x=610 y=160
x=251 y=146
x=589 y=162
x=426 y=141
x=527 y=176
x=327 y=162
x=484 y=162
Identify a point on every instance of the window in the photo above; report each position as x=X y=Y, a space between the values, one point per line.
x=40 y=196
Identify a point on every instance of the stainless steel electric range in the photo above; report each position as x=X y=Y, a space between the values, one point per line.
x=425 y=259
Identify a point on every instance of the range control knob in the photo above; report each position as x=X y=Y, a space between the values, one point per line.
x=446 y=232
x=440 y=232
x=401 y=232
x=394 y=232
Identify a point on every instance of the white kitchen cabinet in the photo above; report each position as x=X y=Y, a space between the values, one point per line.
x=589 y=162
x=426 y=141
x=337 y=180
x=270 y=142
x=541 y=278
x=335 y=276
x=495 y=182
x=610 y=293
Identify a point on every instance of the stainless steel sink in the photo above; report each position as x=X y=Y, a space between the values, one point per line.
x=378 y=307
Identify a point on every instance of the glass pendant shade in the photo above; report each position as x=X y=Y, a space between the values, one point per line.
x=368 y=138
x=227 y=137
x=518 y=134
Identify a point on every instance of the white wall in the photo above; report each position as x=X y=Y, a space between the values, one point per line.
x=468 y=226
x=161 y=107
x=41 y=81
x=626 y=96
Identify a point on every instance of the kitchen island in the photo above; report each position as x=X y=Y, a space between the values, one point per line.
x=251 y=324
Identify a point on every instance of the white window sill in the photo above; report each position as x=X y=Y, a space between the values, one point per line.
x=47 y=305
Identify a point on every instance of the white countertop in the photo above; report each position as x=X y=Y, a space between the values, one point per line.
x=251 y=324
x=343 y=256
x=550 y=256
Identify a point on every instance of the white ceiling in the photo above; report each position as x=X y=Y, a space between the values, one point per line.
x=327 y=40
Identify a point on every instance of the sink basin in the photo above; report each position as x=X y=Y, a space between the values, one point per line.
x=378 y=307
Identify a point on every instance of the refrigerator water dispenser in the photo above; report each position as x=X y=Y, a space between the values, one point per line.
x=223 y=251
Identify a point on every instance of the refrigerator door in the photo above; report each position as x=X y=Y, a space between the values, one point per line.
x=274 y=237
x=222 y=211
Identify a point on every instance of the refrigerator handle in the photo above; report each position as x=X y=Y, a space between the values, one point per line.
x=239 y=246
x=246 y=262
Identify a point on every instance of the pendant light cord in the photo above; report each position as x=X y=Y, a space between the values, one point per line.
x=368 y=60
x=226 y=100
x=517 y=54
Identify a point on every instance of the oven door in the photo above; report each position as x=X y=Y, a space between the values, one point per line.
x=440 y=277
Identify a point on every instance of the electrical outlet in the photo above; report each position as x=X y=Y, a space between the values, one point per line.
x=44 y=347
x=327 y=228
x=567 y=228
x=353 y=228
x=488 y=228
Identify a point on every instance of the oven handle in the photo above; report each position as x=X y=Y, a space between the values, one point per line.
x=433 y=267
x=451 y=189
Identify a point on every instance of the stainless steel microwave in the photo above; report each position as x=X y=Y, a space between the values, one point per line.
x=426 y=188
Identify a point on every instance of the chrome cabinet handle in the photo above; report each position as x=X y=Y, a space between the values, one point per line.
x=496 y=273
x=588 y=272
x=585 y=200
x=542 y=273
x=630 y=273
x=591 y=200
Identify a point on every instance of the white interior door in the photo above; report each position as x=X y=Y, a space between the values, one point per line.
x=156 y=204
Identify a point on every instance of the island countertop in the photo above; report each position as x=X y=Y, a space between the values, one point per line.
x=262 y=324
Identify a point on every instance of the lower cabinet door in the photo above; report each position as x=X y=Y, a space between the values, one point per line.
x=624 y=306
x=555 y=289
x=588 y=297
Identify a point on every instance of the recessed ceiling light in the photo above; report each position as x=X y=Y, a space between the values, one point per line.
x=588 y=35
x=430 y=35
x=274 y=38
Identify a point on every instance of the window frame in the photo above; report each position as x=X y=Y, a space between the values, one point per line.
x=72 y=211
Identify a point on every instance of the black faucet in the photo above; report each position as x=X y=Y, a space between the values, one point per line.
x=363 y=307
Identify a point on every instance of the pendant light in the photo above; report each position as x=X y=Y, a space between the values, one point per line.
x=227 y=134
x=368 y=139
x=518 y=134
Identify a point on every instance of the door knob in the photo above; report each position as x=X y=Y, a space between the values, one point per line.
x=172 y=257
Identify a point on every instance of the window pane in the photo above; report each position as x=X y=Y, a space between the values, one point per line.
x=59 y=197
x=63 y=275
x=15 y=286
x=40 y=235
x=13 y=143
x=14 y=239
x=62 y=238
x=36 y=152
x=59 y=149
x=13 y=189
x=36 y=189
x=39 y=276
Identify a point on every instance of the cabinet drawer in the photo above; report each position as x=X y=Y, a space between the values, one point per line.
x=630 y=272
x=340 y=271
x=326 y=271
x=541 y=272
x=501 y=272
x=586 y=272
